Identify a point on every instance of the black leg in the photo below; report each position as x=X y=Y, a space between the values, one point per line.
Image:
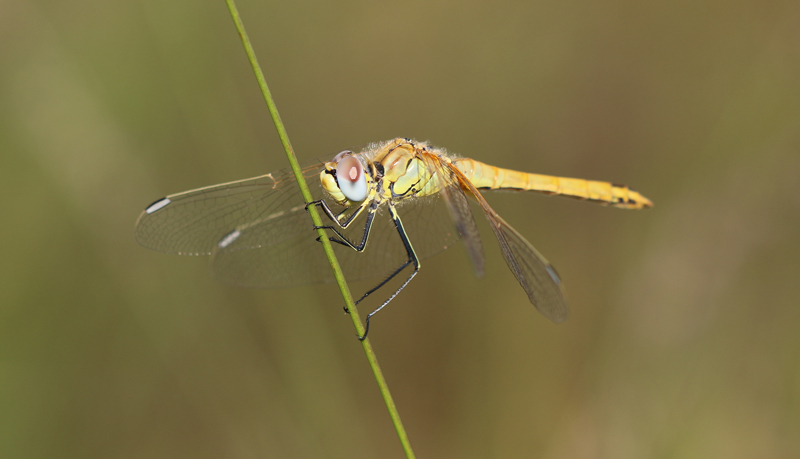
x=346 y=242
x=383 y=282
x=412 y=258
x=369 y=202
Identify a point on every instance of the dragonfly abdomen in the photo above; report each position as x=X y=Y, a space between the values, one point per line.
x=485 y=176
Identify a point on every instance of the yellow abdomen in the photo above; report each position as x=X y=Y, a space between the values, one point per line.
x=484 y=176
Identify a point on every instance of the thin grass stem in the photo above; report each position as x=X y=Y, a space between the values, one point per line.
x=315 y=217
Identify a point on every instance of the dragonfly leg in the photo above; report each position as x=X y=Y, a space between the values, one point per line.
x=412 y=258
x=341 y=239
x=383 y=282
x=333 y=239
x=321 y=203
x=337 y=217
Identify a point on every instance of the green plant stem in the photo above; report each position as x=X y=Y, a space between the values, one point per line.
x=315 y=217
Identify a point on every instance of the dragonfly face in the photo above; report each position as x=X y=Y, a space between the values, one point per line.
x=345 y=179
x=395 y=172
x=257 y=231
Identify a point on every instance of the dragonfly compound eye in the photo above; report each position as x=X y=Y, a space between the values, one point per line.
x=351 y=179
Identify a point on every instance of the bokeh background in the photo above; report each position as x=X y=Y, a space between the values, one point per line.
x=683 y=339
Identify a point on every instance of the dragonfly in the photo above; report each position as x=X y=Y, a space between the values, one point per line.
x=258 y=233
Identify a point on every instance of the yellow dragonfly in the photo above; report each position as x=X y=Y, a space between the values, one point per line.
x=258 y=234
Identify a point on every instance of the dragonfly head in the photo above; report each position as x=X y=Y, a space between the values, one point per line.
x=345 y=179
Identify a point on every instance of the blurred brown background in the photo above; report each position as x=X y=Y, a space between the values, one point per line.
x=683 y=336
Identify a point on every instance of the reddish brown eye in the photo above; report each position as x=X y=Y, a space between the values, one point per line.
x=350 y=178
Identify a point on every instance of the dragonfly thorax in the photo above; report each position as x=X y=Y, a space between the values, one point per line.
x=405 y=172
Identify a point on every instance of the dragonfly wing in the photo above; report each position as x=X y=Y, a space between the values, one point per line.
x=259 y=234
x=267 y=254
x=195 y=222
x=257 y=255
x=534 y=273
x=257 y=230
x=461 y=214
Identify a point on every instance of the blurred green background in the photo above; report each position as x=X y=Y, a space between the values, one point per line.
x=683 y=336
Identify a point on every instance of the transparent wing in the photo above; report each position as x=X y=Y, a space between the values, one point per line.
x=195 y=222
x=459 y=210
x=259 y=234
x=297 y=258
x=534 y=273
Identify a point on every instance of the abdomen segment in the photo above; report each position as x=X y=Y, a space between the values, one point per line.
x=484 y=176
